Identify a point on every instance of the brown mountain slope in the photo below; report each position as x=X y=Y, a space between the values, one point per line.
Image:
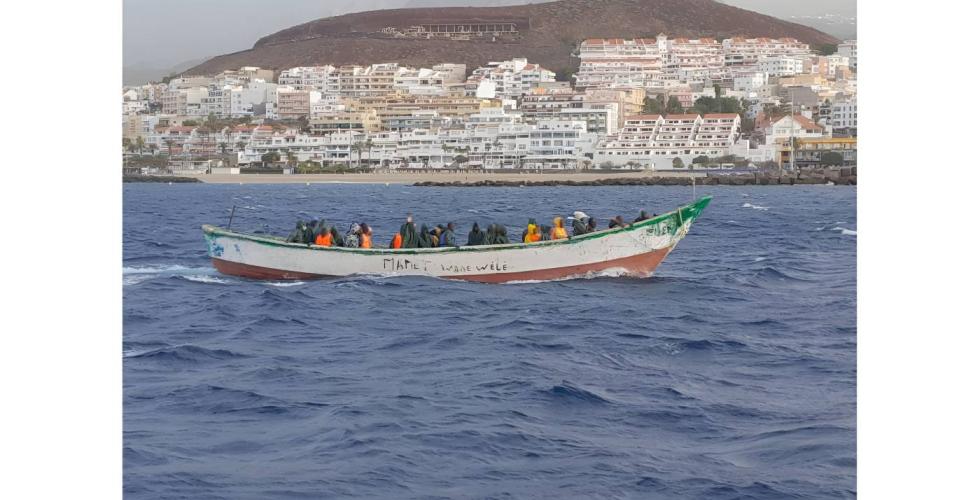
x=550 y=32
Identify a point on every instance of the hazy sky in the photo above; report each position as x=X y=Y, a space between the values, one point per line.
x=160 y=34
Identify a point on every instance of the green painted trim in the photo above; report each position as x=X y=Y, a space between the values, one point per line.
x=686 y=213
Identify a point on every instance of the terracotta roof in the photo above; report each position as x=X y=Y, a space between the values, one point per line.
x=721 y=115
x=643 y=117
x=685 y=116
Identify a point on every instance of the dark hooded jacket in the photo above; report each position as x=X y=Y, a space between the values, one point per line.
x=338 y=240
x=308 y=234
x=499 y=235
x=447 y=238
x=579 y=227
x=297 y=235
x=643 y=216
x=423 y=237
x=410 y=237
x=476 y=236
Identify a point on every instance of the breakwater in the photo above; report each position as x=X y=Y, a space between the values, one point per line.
x=842 y=176
x=158 y=178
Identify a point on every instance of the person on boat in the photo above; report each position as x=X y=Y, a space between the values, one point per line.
x=591 y=226
x=581 y=224
x=297 y=235
x=545 y=232
x=532 y=233
x=409 y=236
x=353 y=238
x=643 y=216
x=448 y=236
x=499 y=236
x=396 y=241
x=617 y=221
x=476 y=236
x=335 y=238
x=558 y=232
x=435 y=235
x=366 y=234
x=323 y=238
x=320 y=224
x=424 y=238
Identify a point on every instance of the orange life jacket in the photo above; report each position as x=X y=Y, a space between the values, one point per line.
x=324 y=240
x=365 y=240
x=396 y=242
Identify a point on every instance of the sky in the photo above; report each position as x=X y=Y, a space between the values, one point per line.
x=164 y=35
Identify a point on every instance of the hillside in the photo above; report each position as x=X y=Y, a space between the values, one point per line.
x=546 y=33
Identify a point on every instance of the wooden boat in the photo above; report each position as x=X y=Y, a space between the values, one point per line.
x=635 y=250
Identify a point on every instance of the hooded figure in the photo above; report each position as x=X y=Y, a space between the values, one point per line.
x=580 y=225
x=353 y=238
x=424 y=238
x=558 y=232
x=448 y=237
x=336 y=238
x=410 y=237
x=643 y=216
x=308 y=234
x=531 y=234
x=297 y=235
x=545 y=233
x=476 y=236
x=499 y=236
x=320 y=224
x=590 y=227
x=617 y=221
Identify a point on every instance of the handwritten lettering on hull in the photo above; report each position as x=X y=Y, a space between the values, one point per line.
x=403 y=264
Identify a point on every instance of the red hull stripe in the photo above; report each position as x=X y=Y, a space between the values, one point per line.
x=637 y=265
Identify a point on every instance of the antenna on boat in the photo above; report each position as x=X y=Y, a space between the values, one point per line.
x=694 y=188
x=232 y=216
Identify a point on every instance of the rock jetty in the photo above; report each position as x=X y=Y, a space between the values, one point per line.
x=840 y=177
x=158 y=178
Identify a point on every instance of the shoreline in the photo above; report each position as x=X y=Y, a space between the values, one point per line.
x=840 y=176
x=410 y=178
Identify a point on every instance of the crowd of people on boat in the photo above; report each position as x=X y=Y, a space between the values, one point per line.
x=360 y=235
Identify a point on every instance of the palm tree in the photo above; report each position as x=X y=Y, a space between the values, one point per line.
x=369 y=144
x=127 y=143
x=241 y=145
x=357 y=147
x=170 y=148
x=140 y=144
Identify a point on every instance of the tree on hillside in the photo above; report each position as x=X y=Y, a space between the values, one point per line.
x=700 y=160
x=831 y=158
x=127 y=143
x=678 y=163
x=717 y=91
x=706 y=105
x=674 y=105
x=189 y=123
x=140 y=144
x=240 y=145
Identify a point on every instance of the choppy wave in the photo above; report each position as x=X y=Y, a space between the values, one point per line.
x=730 y=374
x=755 y=207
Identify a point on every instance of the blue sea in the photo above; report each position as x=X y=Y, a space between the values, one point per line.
x=729 y=374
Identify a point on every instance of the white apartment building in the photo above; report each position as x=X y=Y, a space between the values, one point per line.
x=748 y=51
x=749 y=81
x=780 y=66
x=654 y=140
x=849 y=49
x=323 y=79
x=512 y=79
x=843 y=114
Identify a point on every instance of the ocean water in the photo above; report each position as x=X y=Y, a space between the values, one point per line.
x=729 y=374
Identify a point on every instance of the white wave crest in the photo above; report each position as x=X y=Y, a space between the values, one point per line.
x=203 y=278
x=283 y=284
x=756 y=207
x=845 y=231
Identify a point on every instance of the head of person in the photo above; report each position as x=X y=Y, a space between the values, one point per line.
x=592 y=222
x=476 y=227
x=557 y=222
x=409 y=219
x=299 y=224
x=365 y=228
x=643 y=214
x=451 y=226
x=323 y=231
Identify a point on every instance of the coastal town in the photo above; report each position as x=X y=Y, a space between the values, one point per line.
x=644 y=104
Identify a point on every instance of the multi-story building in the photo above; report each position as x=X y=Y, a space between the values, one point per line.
x=293 y=104
x=781 y=65
x=512 y=79
x=655 y=141
x=849 y=49
x=844 y=117
x=748 y=51
x=323 y=79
